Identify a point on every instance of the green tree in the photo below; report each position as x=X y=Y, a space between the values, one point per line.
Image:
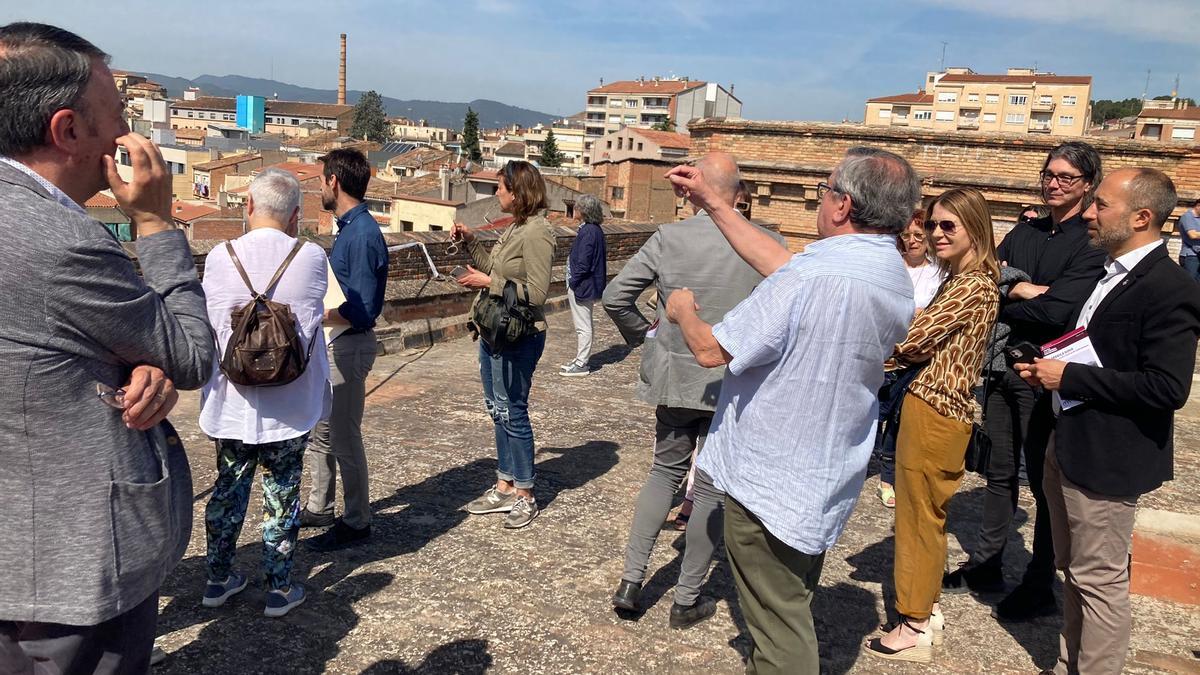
x=550 y=154
x=370 y=120
x=470 y=142
x=667 y=124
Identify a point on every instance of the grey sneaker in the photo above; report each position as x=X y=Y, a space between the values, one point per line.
x=523 y=512
x=492 y=501
x=575 y=370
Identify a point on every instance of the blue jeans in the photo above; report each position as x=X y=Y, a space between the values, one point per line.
x=506 y=379
x=1191 y=264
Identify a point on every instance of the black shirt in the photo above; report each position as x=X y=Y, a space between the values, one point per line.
x=1060 y=257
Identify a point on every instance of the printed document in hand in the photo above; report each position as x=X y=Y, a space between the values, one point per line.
x=334 y=297
x=1074 y=347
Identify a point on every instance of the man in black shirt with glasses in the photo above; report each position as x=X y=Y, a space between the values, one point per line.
x=1063 y=268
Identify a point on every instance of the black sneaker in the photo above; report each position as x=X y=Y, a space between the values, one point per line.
x=978 y=579
x=310 y=519
x=337 y=537
x=1025 y=603
x=686 y=616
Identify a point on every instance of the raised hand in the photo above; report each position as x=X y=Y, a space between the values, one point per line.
x=146 y=199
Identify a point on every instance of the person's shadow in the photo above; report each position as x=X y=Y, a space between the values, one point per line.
x=610 y=355
x=433 y=507
x=461 y=657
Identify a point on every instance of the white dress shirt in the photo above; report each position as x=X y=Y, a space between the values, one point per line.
x=267 y=414
x=1115 y=272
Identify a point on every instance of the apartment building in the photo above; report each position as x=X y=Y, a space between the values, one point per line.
x=1022 y=101
x=569 y=137
x=647 y=102
x=407 y=130
x=290 y=118
x=635 y=143
x=1167 y=121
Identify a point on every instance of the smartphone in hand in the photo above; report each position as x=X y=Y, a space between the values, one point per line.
x=458 y=272
x=1023 y=352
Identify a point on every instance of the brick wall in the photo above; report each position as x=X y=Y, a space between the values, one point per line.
x=784 y=161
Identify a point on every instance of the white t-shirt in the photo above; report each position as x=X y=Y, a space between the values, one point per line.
x=926 y=281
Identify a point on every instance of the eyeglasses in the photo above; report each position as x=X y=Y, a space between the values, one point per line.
x=113 y=398
x=825 y=188
x=947 y=226
x=1065 y=181
x=913 y=236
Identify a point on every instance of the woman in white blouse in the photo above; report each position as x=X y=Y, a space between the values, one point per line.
x=927 y=274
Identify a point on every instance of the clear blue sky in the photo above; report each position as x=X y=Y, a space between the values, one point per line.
x=786 y=60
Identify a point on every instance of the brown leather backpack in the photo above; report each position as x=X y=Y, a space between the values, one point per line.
x=264 y=349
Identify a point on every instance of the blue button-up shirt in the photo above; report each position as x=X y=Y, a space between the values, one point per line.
x=360 y=263
x=795 y=422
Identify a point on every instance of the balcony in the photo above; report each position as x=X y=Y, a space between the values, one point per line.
x=649 y=106
x=968 y=123
x=899 y=121
x=1038 y=106
x=1037 y=127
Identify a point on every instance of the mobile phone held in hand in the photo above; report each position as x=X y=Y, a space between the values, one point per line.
x=458 y=272
x=1023 y=352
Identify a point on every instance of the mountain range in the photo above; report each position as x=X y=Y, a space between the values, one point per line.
x=492 y=114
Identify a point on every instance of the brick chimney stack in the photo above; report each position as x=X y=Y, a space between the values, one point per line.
x=342 y=74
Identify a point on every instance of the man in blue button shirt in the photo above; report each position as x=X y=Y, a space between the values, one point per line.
x=360 y=262
x=1189 y=240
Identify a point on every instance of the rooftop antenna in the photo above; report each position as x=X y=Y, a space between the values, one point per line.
x=942 y=69
x=1147 y=87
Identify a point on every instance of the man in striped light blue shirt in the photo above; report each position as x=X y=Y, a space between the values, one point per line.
x=795 y=422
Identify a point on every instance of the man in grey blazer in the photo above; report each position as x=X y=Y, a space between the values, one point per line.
x=95 y=491
x=688 y=254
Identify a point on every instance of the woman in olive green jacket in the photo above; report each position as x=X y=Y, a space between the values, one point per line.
x=523 y=255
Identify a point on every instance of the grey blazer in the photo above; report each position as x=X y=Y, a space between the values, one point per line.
x=691 y=253
x=93 y=515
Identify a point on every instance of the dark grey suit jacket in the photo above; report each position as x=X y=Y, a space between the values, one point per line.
x=694 y=254
x=93 y=515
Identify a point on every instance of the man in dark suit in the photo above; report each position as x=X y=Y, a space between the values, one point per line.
x=1143 y=319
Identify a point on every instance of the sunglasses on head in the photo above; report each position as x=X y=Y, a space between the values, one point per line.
x=947 y=226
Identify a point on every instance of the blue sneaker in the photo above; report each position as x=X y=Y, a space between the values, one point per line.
x=217 y=592
x=280 y=602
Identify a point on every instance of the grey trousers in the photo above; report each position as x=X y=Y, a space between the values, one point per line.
x=678 y=432
x=1093 y=537
x=581 y=314
x=336 y=443
x=119 y=646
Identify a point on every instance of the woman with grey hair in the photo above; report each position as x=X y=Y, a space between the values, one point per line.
x=587 y=273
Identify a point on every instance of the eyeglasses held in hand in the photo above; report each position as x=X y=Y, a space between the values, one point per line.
x=113 y=398
x=947 y=226
x=1065 y=180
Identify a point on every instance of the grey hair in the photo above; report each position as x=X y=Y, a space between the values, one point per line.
x=43 y=69
x=590 y=209
x=276 y=193
x=1086 y=161
x=1152 y=189
x=883 y=189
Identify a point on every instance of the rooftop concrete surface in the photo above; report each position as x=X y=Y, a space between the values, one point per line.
x=438 y=591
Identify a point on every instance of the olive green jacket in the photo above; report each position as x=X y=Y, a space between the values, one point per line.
x=524 y=256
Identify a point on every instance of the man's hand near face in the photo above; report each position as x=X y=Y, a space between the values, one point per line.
x=146 y=199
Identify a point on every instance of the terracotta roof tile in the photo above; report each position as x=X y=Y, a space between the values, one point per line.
x=185 y=212
x=1185 y=114
x=1017 y=79
x=100 y=201
x=232 y=160
x=919 y=98
x=303 y=172
x=512 y=149
x=649 y=87
x=665 y=139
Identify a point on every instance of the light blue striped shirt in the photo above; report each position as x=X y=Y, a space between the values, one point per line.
x=795 y=422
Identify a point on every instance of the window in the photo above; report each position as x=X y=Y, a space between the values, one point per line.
x=596 y=100
x=406 y=225
x=885 y=113
x=1069 y=100
x=175 y=168
x=609 y=143
x=295 y=122
x=992 y=98
x=1014 y=118
x=973 y=98
x=189 y=113
x=174 y=112
x=945 y=116
x=1184 y=133
x=947 y=96
x=1018 y=99
x=618 y=193
x=631 y=119
x=1066 y=120
x=639 y=147
x=614 y=119
x=631 y=103
x=435 y=228
x=989 y=117
x=616 y=103
x=620 y=143
x=923 y=115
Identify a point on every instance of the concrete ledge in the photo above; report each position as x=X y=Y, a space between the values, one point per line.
x=1166 y=556
x=419 y=333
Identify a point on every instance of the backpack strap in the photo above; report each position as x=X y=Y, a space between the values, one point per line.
x=283 y=266
x=241 y=270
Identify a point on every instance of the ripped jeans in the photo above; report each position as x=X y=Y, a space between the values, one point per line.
x=506 y=379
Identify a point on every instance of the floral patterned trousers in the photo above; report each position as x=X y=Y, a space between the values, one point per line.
x=282 y=463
